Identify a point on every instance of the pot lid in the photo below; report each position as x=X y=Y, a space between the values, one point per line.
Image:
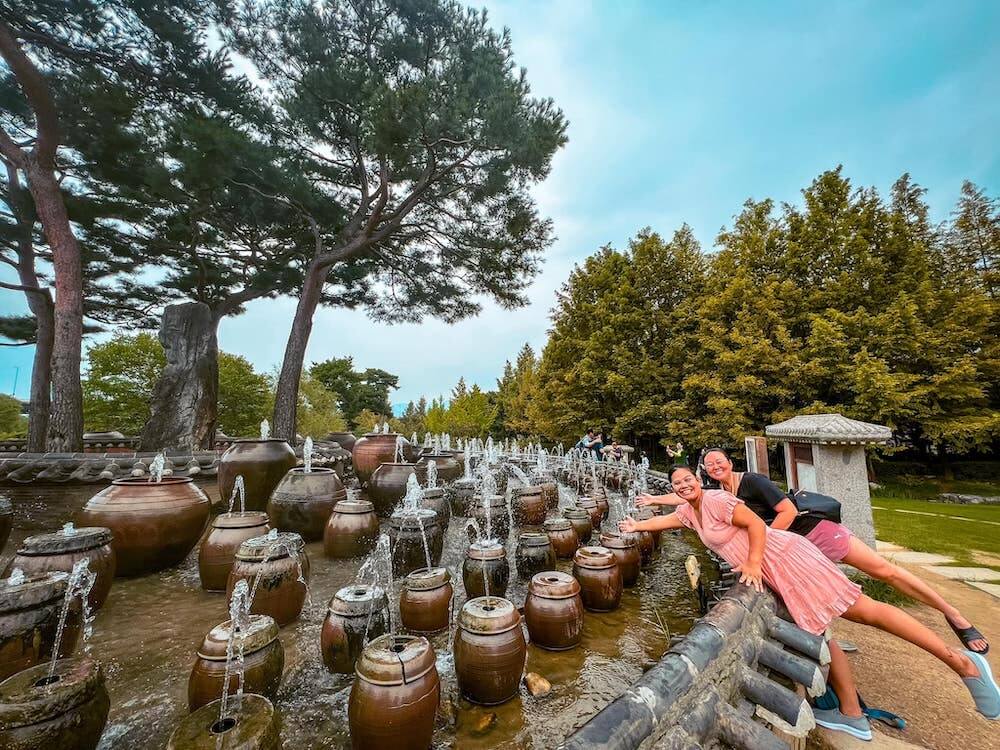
x=317 y=470
x=261 y=440
x=488 y=614
x=533 y=539
x=60 y=542
x=144 y=481
x=391 y=436
x=23 y=702
x=413 y=519
x=359 y=599
x=263 y=630
x=32 y=591
x=240 y=520
x=614 y=540
x=594 y=557
x=426 y=579
x=532 y=489
x=270 y=547
x=586 y=502
x=486 y=550
x=578 y=514
x=554 y=584
x=354 y=506
x=254 y=722
x=395 y=660
x=557 y=524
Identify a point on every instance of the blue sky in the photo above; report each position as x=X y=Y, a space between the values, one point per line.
x=680 y=112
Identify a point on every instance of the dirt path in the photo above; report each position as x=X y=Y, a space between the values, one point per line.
x=898 y=677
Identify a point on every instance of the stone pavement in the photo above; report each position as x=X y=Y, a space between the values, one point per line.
x=941 y=565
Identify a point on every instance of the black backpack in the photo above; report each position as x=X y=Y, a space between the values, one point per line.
x=816 y=505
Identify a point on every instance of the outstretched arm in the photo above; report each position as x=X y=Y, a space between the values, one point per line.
x=656 y=523
x=669 y=499
x=745 y=518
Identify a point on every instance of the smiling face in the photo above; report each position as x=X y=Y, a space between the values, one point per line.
x=718 y=466
x=685 y=484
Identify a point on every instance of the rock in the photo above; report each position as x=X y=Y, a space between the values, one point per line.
x=485 y=723
x=537 y=685
x=447 y=713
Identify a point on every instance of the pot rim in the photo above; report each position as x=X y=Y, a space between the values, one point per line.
x=588 y=557
x=263 y=631
x=23 y=703
x=486 y=550
x=141 y=481
x=261 y=440
x=354 y=507
x=553 y=578
x=240 y=519
x=472 y=614
x=380 y=646
x=87 y=538
x=427 y=579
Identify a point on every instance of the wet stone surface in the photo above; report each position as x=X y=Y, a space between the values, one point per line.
x=149 y=629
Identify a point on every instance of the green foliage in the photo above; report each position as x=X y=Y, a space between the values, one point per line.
x=368 y=421
x=120 y=376
x=471 y=412
x=245 y=397
x=357 y=391
x=12 y=424
x=317 y=411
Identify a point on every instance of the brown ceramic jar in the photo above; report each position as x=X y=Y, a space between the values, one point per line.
x=563 y=537
x=534 y=553
x=346 y=439
x=387 y=486
x=580 y=519
x=434 y=499
x=261 y=463
x=448 y=467
x=460 y=495
x=303 y=501
x=553 y=611
x=374 y=449
x=60 y=550
x=252 y=726
x=29 y=618
x=644 y=514
x=590 y=505
x=263 y=661
x=407 y=531
x=280 y=594
x=602 y=503
x=218 y=550
x=352 y=529
x=499 y=525
x=68 y=713
x=528 y=505
x=356 y=614
x=644 y=541
x=490 y=651
x=395 y=695
x=154 y=525
x=625 y=548
x=600 y=580
x=485 y=562
x=425 y=603
x=6 y=521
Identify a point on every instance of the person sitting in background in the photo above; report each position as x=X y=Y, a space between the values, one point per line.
x=613 y=451
x=834 y=540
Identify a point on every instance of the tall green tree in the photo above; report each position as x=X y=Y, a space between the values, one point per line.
x=416 y=121
x=245 y=396
x=120 y=376
x=357 y=390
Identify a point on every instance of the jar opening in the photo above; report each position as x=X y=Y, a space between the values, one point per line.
x=360 y=592
x=223 y=725
x=42 y=682
x=398 y=648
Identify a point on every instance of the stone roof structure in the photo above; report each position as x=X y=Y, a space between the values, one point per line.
x=828 y=429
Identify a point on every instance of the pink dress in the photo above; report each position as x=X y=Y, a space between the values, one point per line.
x=813 y=588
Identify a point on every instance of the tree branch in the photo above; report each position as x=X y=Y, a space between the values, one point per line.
x=36 y=91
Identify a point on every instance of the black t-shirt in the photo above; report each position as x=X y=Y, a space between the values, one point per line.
x=761 y=495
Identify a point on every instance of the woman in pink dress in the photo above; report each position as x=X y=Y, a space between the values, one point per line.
x=814 y=589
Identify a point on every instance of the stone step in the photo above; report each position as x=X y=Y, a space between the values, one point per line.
x=917 y=558
x=965 y=574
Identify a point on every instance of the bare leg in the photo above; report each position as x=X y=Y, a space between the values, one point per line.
x=862 y=557
x=842 y=682
x=897 y=622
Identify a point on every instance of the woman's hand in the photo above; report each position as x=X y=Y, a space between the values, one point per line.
x=627 y=525
x=644 y=499
x=751 y=575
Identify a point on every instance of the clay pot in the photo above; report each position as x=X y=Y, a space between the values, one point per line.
x=263 y=661
x=435 y=500
x=499 y=520
x=346 y=439
x=407 y=531
x=355 y=615
x=563 y=537
x=448 y=467
x=625 y=548
x=425 y=604
x=602 y=504
x=302 y=502
x=387 y=486
x=218 y=551
x=487 y=559
x=154 y=525
x=6 y=521
x=59 y=551
x=528 y=505
x=596 y=514
x=644 y=514
x=261 y=463
x=29 y=618
x=490 y=651
x=550 y=492
x=352 y=529
x=553 y=611
x=534 y=554
x=600 y=580
x=460 y=495
x=374 y=449
x=395 y=695
x=68 y=713
x=253 y=727
x=280 y=594
x=644 y=541
x=582 y=525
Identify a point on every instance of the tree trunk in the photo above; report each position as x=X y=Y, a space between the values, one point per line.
x=41 y=373
x=185 y=400
x=65 y=428
x=287 y=396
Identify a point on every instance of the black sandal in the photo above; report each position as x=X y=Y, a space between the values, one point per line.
x=967 y=635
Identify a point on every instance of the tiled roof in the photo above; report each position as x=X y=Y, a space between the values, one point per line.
x=828 y=428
